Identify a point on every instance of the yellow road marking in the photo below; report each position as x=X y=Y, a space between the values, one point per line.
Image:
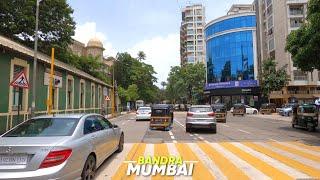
x=200 y=172
x=136 y=151
x=228 y=168
x=290 y=162
x=313 y=148
x=256 y=162
x=296 y=151
x=161 y=150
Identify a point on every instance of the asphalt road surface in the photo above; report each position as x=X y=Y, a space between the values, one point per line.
x=248 y=147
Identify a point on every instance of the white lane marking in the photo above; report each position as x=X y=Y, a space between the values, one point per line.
x=272 y=162
x=196 y=134
x=291 y=156
x=174 y=152
x=191 y=135
x=174 y=141
x=149 y=151
x=179 y=123
x=203 y=157
x=273 y=140
x=244 y=131
x=200 y=137
x=172 y=137
x=248 y=169
x=195 y=138
x=170 y=133
x=110 y=168
x=225 y=125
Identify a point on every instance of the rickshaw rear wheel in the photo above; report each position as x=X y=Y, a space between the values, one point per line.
x=292 y=125
x=311 y=128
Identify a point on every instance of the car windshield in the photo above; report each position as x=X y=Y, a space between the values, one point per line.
x=144 y=109
x=308 y=109
x=200 y=109
x=44 y=127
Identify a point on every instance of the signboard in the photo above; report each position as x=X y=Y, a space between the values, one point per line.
x=232 y=84
x=57 y=80
x=20 y=80
x=107 y=98
x=105 y=91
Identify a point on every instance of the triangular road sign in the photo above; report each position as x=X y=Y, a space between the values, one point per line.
x=20 y=80
x=107 y=98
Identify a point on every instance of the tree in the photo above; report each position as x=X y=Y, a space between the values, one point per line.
x=132 y=93
x=272 y=79
x=163 y=84
x=186 y=83
x=304 y=43
x=141 y=56
x=56 y=24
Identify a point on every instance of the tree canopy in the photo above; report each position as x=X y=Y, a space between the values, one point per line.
x=304 y=43
x=131 y=71
x=186 y=83
x=56 y=24
x=272 y=79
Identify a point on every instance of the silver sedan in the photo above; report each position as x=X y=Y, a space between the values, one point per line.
x=200 y=117
x=58 y=147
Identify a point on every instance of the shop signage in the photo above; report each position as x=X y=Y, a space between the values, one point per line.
x=232 y=84
x=57 y=80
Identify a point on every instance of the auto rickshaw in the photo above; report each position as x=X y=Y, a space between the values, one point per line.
x=239 y=109
x=305 y=116
x=268 y=108
x=161 y=117
x=220 y=111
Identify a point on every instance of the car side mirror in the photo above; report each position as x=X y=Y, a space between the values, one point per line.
x=115 y=126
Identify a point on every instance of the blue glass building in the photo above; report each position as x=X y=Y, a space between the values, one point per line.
x=231 y=58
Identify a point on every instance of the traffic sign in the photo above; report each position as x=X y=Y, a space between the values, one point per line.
x=107 y=98
x=20 y=80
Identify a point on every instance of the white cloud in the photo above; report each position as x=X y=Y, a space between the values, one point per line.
x=84 y=32
x=161 y=53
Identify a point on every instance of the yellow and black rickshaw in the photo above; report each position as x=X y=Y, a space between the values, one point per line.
x=268 y=108
x=239 y=109
x=305 y=116
x=220 y=111
x=161 y=117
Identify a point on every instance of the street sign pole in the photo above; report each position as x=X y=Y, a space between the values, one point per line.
x=49 y=103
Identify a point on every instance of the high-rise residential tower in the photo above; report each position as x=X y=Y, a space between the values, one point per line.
x=275 y=20
x=192 y=45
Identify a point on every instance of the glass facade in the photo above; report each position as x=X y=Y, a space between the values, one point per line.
x=230 y=56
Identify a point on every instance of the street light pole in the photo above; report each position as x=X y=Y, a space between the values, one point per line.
x=35 y=57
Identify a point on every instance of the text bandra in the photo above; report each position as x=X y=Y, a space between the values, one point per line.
x=162 y=165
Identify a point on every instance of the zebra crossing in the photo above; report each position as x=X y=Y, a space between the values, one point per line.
x=225 y=160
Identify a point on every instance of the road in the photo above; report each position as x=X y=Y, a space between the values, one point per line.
x=247 y=147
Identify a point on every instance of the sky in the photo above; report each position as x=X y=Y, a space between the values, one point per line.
x=151 y=26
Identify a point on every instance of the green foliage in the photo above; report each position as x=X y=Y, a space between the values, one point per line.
x=304 y=43
x=132 y=92
x=272 y=79
x=186 y=83
x=56 y=25
x=129 y=71
x=141 y=56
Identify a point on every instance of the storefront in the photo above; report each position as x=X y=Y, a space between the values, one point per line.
x=232 y=92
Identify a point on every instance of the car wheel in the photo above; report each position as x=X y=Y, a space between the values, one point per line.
x=121 y=142
x=293 y=125
x=89 y=169
x=255 y=112
x=214 y=130
x=187 y=130
x=311 y=128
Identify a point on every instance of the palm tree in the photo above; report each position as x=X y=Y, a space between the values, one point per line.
x=141 y=56
x=163 y=84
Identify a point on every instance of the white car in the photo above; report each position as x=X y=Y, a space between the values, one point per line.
x=143 y=113
x=251 y=110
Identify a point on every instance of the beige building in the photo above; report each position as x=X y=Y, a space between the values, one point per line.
x=275 y=20
x=192 y=45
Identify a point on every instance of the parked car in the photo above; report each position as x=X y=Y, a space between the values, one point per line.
x=143 y=113
x=58 y=147
x=250 y=110
x=286 y=110
x=200 y=117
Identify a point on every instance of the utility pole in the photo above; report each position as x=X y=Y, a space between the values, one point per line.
x=49 y=102
x=35 y=57
x=113 y=96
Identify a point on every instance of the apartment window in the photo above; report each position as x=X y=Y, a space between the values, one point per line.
x=17 y=91
x=93 y=95
x=270 y=22
x=296 y=10
x=299 y=75
x=271 y=44
x=269 y=10
x=268 y=2
x=70 y=93
x=190 y=31
x=82 y=94
x=190 y=48
x=99 y=96
x=296 y=22
x=199 y=18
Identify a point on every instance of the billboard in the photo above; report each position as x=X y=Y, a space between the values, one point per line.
x=232 y=84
